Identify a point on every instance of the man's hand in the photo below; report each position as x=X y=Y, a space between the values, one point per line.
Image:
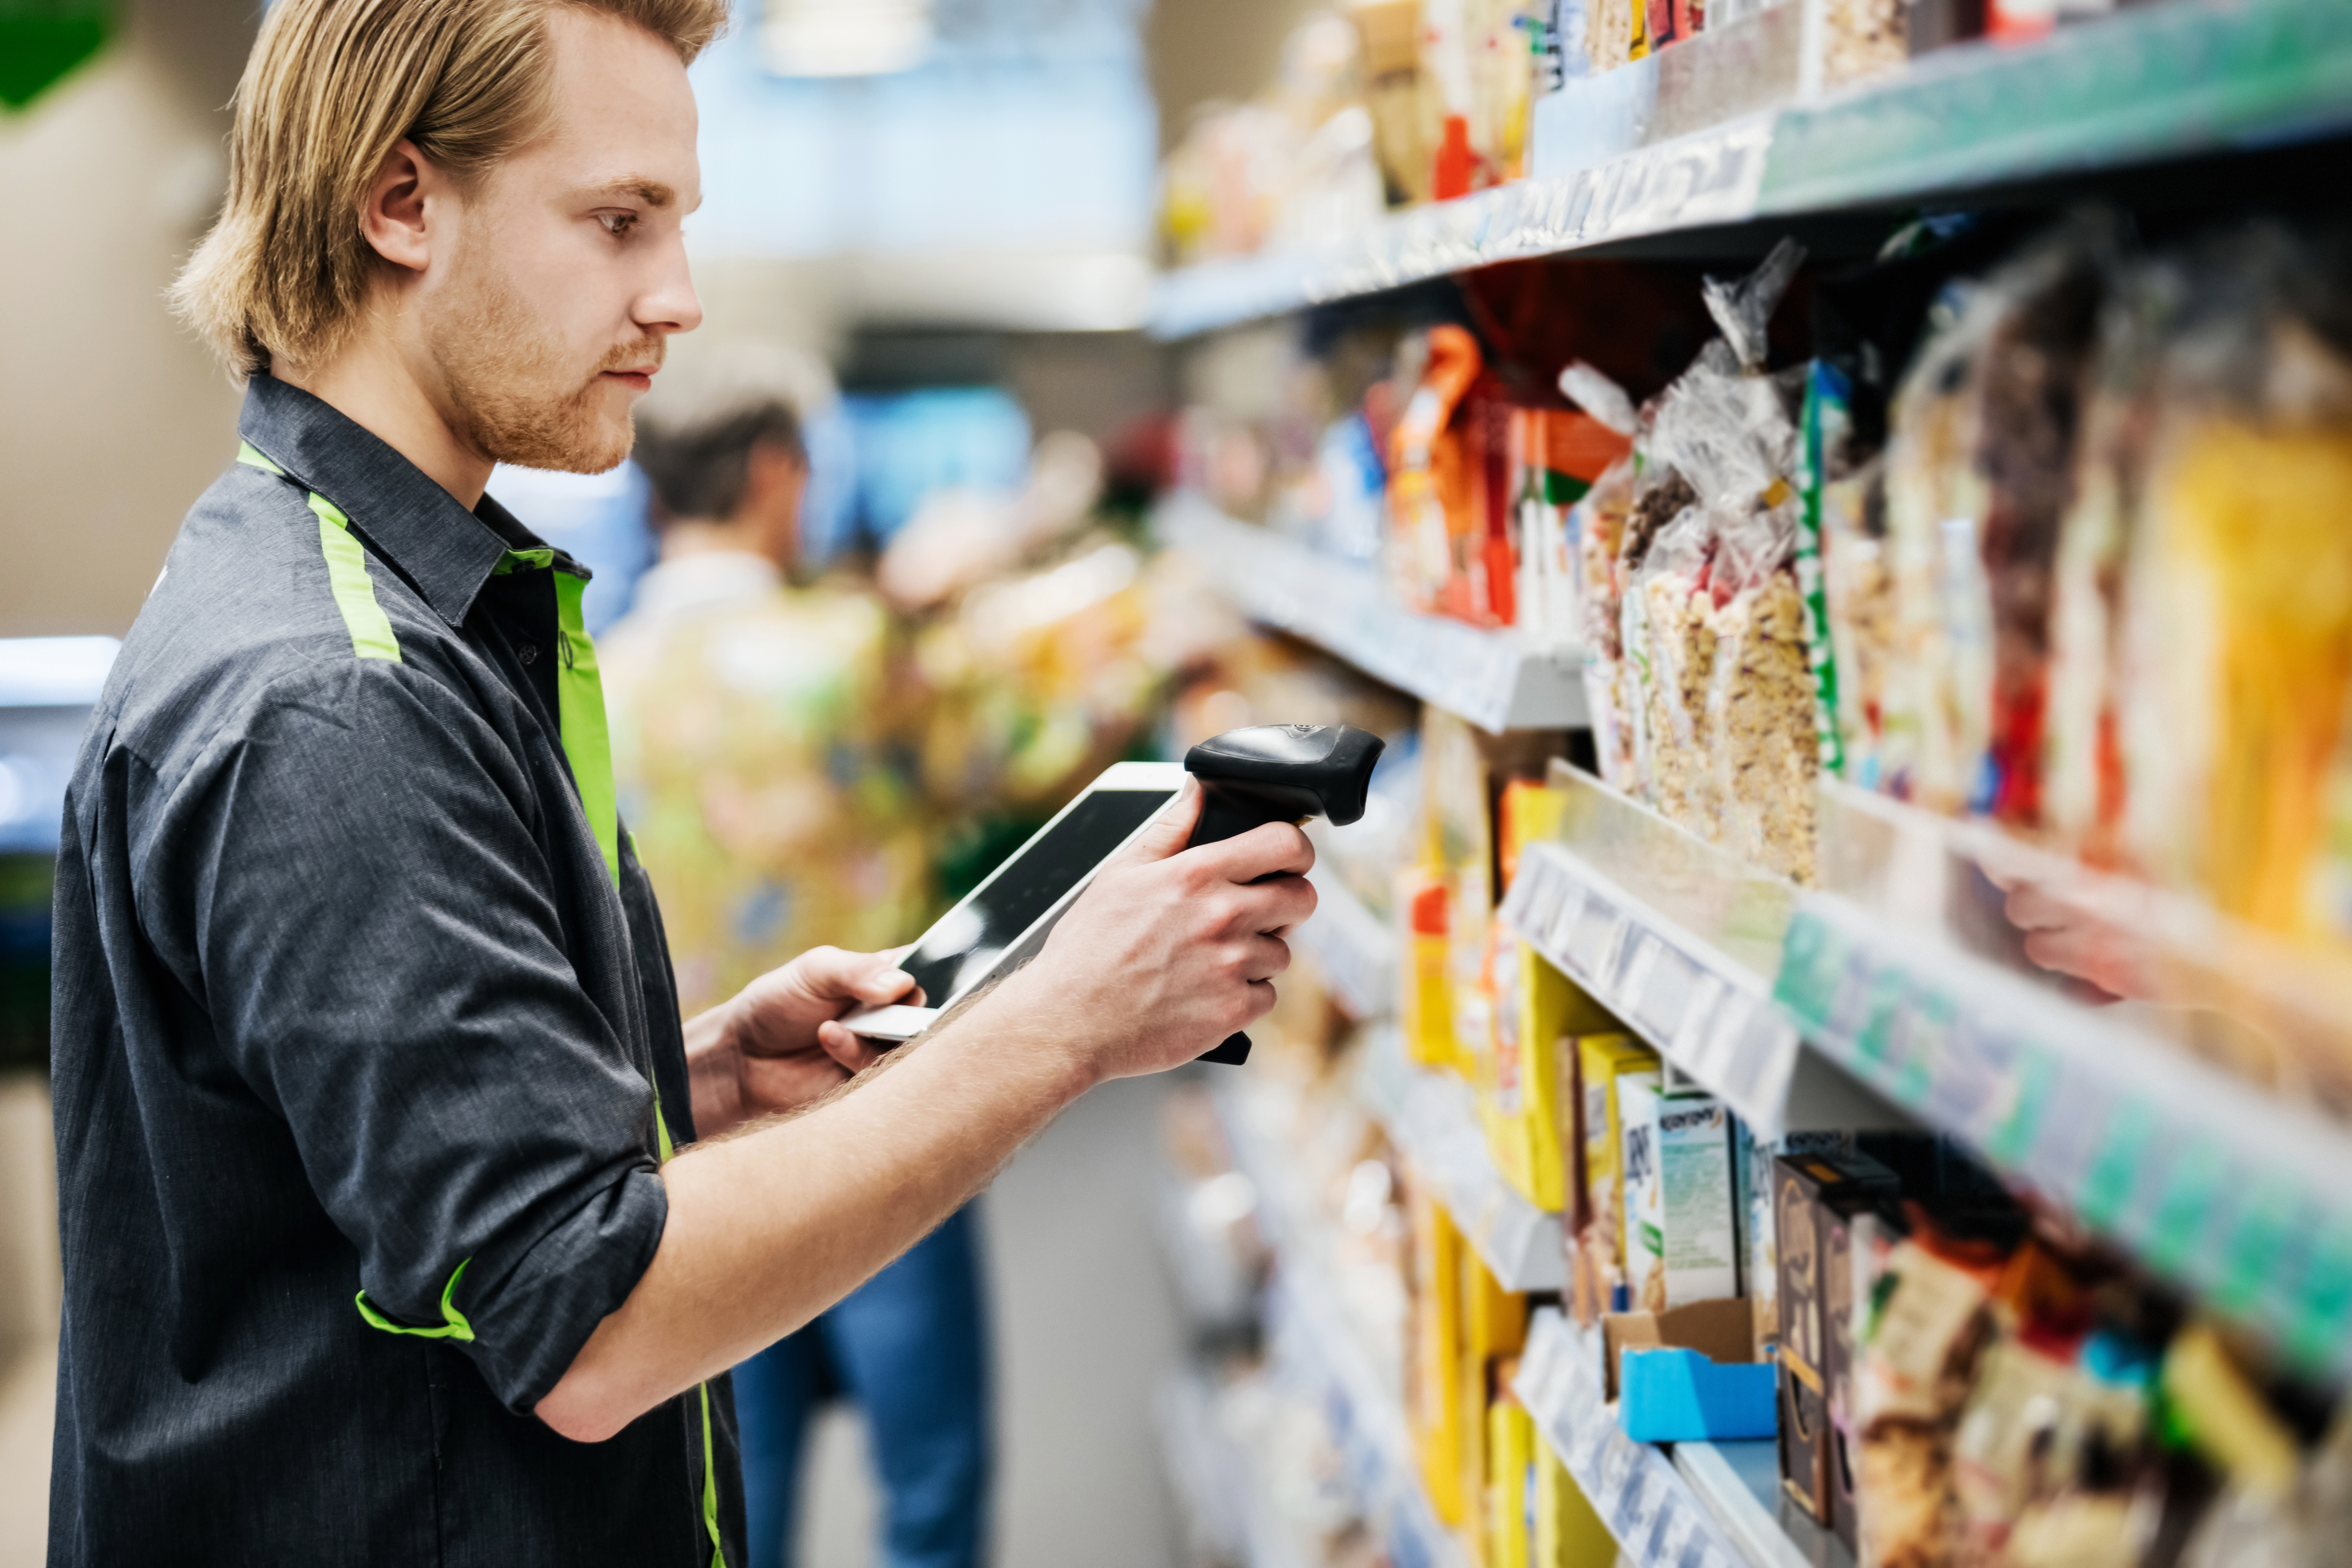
x=774 y=1048
x=1168 y=951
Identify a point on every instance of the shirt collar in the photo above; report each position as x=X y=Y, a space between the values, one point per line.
x=447 y=552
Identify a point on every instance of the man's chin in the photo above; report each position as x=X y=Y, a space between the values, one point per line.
x=595 y=447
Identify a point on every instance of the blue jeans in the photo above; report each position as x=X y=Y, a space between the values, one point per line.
x=911 y=1348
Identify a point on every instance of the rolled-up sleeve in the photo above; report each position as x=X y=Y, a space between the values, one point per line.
x=354 y=889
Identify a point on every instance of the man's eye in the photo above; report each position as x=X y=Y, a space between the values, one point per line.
x=618 y=224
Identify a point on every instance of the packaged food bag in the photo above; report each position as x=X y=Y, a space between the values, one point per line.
x=1980 y=463
x=2237 y=643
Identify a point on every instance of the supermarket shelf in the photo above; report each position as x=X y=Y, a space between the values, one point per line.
x=1646 y=1502
x=2238 y=1194
x=2147 y=85
x=1226 y=1507
x=1434 y=1121
x=1489 y=677
x=1353 y=948
x=1739 y=1484
x=1310 y=1334
x=1704 y=1011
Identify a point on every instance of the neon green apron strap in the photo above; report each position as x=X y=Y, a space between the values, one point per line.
x=454 y=1325
x=354 y=590
x=347 y=572
x=710 y=1486
x=587 y=742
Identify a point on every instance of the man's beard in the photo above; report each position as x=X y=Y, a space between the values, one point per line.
x=513 y=398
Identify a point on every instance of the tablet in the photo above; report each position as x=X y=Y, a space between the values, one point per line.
x=1002 y=922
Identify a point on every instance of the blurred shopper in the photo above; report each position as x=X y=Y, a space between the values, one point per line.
x=765 y=746
x=368 y=1062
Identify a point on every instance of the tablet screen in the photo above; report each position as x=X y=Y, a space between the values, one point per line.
x=956 y=953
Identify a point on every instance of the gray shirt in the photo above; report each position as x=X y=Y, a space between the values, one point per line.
x=356 y=1038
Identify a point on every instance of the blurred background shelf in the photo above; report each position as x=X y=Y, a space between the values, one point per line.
x=1224 y=1507
x=1434 y=1121
x=1310 y=1335
x=1491 y=679
x=2195 y=79
x=1352 y=947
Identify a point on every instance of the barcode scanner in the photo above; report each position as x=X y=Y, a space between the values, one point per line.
x=1279 y=772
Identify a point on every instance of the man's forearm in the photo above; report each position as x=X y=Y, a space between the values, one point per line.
x=769 y=1228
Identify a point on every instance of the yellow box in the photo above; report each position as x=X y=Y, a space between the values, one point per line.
x=1510 y=1451
x=1602 y=1060
x=1567 y=1533
x=1426 y=1008
x=1494 y=1327
x=1434 y=1392
x=1520 y=1094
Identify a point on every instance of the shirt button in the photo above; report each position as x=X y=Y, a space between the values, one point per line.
x=528 y=652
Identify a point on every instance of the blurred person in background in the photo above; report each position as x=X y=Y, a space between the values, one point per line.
x=765 y=735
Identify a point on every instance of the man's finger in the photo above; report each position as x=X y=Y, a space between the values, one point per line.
x=1278 y=902
x=1166 y=834
x=853 y=1051
x=1271 y=848
x=831 y=975
x=888 y=984
x=1269 y=956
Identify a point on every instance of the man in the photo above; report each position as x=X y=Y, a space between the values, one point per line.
x=764 y=745
x=367 y=1063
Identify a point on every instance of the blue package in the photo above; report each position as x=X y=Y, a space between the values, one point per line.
x=1672 y=1395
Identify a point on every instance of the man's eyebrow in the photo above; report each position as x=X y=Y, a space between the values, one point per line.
x=644 y=188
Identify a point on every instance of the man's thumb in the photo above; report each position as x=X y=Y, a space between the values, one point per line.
x=1170 y=831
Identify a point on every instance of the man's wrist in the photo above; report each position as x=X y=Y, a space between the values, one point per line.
x=714 y=1066
x=1026 y=1026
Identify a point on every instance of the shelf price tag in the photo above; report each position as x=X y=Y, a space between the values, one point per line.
x=2106 y=1191
x=1812 y=967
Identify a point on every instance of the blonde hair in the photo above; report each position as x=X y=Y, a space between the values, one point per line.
x=331 y=87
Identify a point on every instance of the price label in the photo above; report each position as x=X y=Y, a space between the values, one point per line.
x=1724 y=1028
x=1663 y=995
x=1812 y=968
x=1681 y=1526
x=1593 y=946
x=2251 y=1263
x=1561 y=930
x=2188 y=1175
x=1693 y=1030
x=1637 y=958
x=2106 y=1192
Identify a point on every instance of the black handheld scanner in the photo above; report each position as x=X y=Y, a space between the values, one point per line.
x=1279 y=772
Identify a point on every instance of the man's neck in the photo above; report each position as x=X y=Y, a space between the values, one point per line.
x=370 y=384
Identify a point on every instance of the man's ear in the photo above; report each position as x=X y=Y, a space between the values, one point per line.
x=395 y=216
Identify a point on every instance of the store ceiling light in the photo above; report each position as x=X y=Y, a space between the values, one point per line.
x=845 y=37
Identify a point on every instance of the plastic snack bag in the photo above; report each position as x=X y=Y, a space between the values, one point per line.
x=1598 y=525
x=2237 y=662
x=1721 y=601
x=1980 y=465
x=1429 y=471
x=2083 y=781
x=1669 y=640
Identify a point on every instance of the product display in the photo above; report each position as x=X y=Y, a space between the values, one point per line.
x=1964 y=629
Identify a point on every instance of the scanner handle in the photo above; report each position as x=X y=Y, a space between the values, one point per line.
x=1278 y=773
